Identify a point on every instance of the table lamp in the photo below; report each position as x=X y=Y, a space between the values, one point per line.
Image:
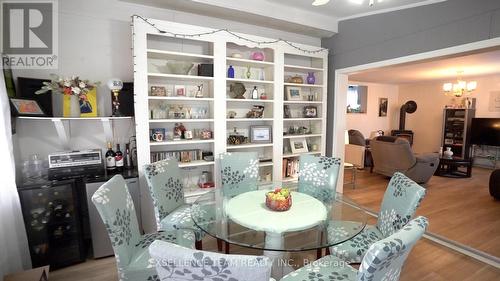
x=115 y=85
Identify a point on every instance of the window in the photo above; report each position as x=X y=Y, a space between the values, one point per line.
x=357 y=97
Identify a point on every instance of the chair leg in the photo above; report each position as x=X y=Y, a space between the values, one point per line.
x=319 y=253
x=198 y=245
x=227 y=248
x=219 y=245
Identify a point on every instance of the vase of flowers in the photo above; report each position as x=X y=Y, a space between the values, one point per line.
x=75 y=93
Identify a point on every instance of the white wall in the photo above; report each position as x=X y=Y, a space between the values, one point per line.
x=95 y=43
x=370 y=121
x=427 y=121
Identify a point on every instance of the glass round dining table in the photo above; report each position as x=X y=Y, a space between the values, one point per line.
x=310 y=224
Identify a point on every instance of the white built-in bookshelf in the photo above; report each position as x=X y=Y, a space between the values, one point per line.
x=212 y=111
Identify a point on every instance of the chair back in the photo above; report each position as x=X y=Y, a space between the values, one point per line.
x=401 y=199
x=391 y=154
x=164 y=180
x=239 y=172
x=117 y=211
x=385 y=258
x=318 y=176
x=174 y=262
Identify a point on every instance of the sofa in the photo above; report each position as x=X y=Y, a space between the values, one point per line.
x=392 y=154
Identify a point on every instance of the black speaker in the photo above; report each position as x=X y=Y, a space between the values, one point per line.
x=126 y=99
x=206 y=70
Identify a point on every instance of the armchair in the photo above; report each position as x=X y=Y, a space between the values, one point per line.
x=392 y=154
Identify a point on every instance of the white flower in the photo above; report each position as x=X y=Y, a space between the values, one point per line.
x=76 y=90
x=82 y=84
x=67 y=83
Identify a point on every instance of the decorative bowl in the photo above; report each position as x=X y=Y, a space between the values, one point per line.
x=279 y=200
x=257 y=56
x=179 y=67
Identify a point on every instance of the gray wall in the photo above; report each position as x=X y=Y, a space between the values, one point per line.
x=406 y=32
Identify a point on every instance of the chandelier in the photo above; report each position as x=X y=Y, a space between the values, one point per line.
x=460 y=88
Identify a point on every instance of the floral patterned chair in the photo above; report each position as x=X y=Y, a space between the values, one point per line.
x=318 y=176
x=164 y=179
x=115 y=205
x=174 y=262
x=383 y=260
x=239 y=172
x=401 y=199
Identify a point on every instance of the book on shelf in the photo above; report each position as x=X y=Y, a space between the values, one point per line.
x=290 y=167
x=182 y=156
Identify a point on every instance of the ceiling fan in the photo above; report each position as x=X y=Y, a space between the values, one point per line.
x=323 y=2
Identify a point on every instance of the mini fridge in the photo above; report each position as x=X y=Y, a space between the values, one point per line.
x=51 y=217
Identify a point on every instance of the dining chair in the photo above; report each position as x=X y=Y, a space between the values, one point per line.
x=239 y=172
x=318 y=176
x=116 y=208
x=164 y=180
x=174 y=262
x=401 y=199
x=383 y=260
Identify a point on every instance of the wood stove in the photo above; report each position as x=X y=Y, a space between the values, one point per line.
x=409 y=107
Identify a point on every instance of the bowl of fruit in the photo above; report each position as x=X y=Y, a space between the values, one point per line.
x=279 y=200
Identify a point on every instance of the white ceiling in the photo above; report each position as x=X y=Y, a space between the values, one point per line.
x=297 y=16
x=478 y=64
x=343 y=9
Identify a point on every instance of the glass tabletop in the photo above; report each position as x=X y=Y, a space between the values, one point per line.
x=309 y=224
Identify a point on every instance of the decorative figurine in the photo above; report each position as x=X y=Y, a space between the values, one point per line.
x=199 y=92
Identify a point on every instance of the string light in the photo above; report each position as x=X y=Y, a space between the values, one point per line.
x=223 y=30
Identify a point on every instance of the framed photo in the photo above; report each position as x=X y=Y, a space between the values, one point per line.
x=158 y=91
x=310 y=112
x=286 y=112
x=382 y=107
x=26 y=107
x=261 y=134
x=293 y=93
x=180 y=90
x=298 y=145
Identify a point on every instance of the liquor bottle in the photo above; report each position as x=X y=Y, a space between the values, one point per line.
x=127 y=162
x=119 y=158
x=110 y=158
x=255 y=93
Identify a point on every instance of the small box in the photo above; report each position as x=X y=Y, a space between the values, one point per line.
x=205 y=69
x=35 y=274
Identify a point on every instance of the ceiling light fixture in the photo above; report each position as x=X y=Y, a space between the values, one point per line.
x=320 y=2
x=371 y=3
x=459 y=88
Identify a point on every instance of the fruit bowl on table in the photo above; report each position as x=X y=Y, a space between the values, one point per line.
x=279 y=200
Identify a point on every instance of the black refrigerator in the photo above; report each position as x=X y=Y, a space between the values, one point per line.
x=51 y=216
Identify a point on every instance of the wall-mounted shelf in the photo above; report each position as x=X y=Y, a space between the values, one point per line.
x=298 y=68
x=302 y=102
x=63 y=131
x=248 y=101
x=180 y=142
x=303 y=119
x=248 y=119
x=170 y=55
x=303 y=85
x=247 y=62
x=179 y=98
x=253 y=145
x=301 y=136
x=249 y=81
x=180 y=77
x=179 y=120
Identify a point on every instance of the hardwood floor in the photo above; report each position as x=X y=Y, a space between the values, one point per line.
x=427 y=262
x=459 y=209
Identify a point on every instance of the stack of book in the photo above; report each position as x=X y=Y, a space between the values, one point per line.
x=290 y=167
x=180 y=155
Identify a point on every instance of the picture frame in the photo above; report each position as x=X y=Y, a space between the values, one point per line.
x=286 y=112
x=298 y=145
x=180 y=90
x=261 y=134
x=158 y=91
x=383 y=104
x=26 y=107
x=293 y=93
x=310 y=112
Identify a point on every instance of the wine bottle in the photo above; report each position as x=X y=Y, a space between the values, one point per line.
x=255 y=93
x=110 y=158
x=127 y=162
x=119 y=158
